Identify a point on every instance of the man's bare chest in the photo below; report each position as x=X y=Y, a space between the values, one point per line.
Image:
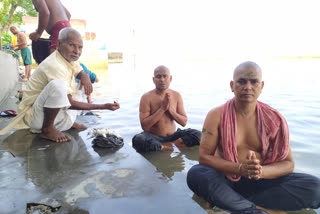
x=247 y=135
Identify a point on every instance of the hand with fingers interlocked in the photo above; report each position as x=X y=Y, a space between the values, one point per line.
x=251 y=168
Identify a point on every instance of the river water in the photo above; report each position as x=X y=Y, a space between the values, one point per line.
x=291 y=87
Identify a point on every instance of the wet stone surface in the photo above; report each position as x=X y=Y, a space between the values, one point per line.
x=83 y=179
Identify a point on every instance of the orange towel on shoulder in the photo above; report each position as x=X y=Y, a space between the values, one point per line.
x=272 y=129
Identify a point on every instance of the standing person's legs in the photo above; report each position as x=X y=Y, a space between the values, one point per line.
x=51 y=114
x=26 y=58
x=27 y=71
x=291 y=192
x=215 y=188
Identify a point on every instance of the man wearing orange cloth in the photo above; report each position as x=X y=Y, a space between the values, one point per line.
x=245 y=160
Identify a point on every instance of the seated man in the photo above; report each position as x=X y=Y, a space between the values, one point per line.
x=245 y=156
x=48 y=105
x=159 y=108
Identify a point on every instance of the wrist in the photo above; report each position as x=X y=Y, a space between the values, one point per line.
x=239 y=168
x=38 y=32
x=261 y=172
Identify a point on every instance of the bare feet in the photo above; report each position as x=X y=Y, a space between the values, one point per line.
x=166 y=146
x=179 y=143
x=272 y=211
x=79 y=126
x=207 y=205
x=54 y=135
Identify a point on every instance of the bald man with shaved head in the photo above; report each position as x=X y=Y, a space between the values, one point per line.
x=160 y=110
x=245 y=160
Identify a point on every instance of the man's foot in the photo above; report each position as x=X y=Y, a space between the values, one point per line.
x=272 y=211
x=79 y=126
x=166 y=146
x=179 y=143
x=250 y=211
x=55 y=135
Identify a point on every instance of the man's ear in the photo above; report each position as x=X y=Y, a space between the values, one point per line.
x=58 y=44
x=170 y=78
x=231 y=85
x=262 y=84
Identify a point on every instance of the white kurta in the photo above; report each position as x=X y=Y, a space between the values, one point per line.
x=54 y=67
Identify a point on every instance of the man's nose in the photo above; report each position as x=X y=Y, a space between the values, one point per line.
x=76 y=50
x=248 y=85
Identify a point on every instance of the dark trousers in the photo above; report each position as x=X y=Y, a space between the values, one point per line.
x=147 y=142
x=291 y=192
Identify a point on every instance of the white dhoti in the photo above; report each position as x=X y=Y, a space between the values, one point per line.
x=54 y=95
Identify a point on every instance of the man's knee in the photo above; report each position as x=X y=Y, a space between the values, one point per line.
x=57 y=87
x=143 y=142
x=191 y=137
x=138 y=141
x=204 y=181
x=198 y=175
x=305 y=187
x=315 y=192
x=192 y=174
x=54 y=95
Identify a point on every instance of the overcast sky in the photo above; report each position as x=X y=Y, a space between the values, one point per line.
x=210 y=28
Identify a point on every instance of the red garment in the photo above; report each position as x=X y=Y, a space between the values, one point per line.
x=55 y=32
x=273 y=132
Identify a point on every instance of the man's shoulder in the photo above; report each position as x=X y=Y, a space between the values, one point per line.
x=21 y=35
x=173 y=91
x=216 y=110
x=270 y=111
x=215 y=113
x=149 y=93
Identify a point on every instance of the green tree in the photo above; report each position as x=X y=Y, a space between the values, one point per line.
x=12 y=11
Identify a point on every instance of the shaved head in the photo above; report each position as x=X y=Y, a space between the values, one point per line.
x=159 y=68
x=14 y=30
x=246 y=65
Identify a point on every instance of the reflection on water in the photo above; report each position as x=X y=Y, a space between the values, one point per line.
x=48 y=164
x=63 y=174
x=39 y=171
x=171 y=162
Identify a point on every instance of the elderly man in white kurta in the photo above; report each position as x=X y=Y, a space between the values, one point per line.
x=48 y=105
